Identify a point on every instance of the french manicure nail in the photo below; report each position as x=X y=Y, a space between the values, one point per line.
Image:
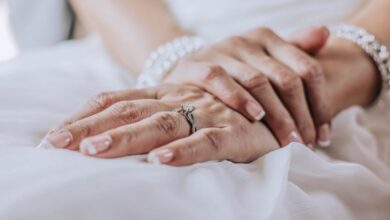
x=324 y=136
x=60 y=139
x=159 y=157
x=295 y=137
x=96 y=144
x=45 y=144
x=50 y=132
x=255 y=110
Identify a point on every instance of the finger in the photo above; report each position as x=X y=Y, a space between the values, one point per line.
x=291 y=91
x=278 y=118
x=315 y=86
x=104 y=100
x=287 y=84
x=137 y=138
x=205 y=145
x=218 y=82
x=310 y=40
x=314 y=80
x=306 y=67
x=119 y=114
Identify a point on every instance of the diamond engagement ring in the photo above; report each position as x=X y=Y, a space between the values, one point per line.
x=187 y=111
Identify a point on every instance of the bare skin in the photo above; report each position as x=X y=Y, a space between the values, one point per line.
x=121 y=123
x=300 y=120
x=339 y=59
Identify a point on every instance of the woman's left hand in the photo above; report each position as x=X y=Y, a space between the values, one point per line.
x=133 y=122
x=260 y=74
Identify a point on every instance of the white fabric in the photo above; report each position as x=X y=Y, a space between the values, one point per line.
x=217 y=19
x=39 y=23
x=349 y=180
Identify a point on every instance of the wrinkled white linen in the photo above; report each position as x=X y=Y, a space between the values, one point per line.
x=349 y=180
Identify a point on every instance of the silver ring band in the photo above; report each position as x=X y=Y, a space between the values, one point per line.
x=187 y=111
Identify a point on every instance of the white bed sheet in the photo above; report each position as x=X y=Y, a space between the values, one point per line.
x=349 y=180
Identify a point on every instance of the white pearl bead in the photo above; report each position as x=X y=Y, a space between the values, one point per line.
x=164 y=57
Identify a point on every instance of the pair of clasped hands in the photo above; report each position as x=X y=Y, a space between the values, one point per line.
x=253 y=93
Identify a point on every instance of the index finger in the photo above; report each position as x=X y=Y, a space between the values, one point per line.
x=104 y=100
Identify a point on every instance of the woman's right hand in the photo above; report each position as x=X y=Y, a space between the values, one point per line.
x=132 y=122
x=261 y=75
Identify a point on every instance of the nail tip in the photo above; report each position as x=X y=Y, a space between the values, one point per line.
x=153 y=158
x=91 y=150
x=87 y=147
x=324 y=144
x=45 y=144
x=260 y=116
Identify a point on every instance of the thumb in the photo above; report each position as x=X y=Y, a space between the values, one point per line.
x=311 y=40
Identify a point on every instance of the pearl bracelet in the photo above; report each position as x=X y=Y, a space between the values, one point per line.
x=377 y=51
x=165 y=57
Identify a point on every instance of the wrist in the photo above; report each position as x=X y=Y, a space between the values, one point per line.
x=352 y=77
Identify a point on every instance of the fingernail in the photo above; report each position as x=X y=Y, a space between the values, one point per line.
x=324 y=136
x=255 y=110
x=159 y=157
x=60 y=139
x=96 y=144
x=326 y=31
x=45 y=144
x=295 y=137
x=50 y=132
x=310 y=146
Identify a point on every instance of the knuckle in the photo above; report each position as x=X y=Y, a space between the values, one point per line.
x=213 y=138
x=311 y=71
x=167 y=123
x=242 y=154
x=126 y=111
x=212 y=72
x=101 y=101
x=283 y=123
x=264 y=31
x=187 y=153
x=237 y=41
x=86 y=131
x=235 y=99
x=79 y=130
x=256 y=81
x=290 y=84
x=268 y=61
x=122 y=137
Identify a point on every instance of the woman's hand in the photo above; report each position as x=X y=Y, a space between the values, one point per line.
x=259 y=74
x=132 y=122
